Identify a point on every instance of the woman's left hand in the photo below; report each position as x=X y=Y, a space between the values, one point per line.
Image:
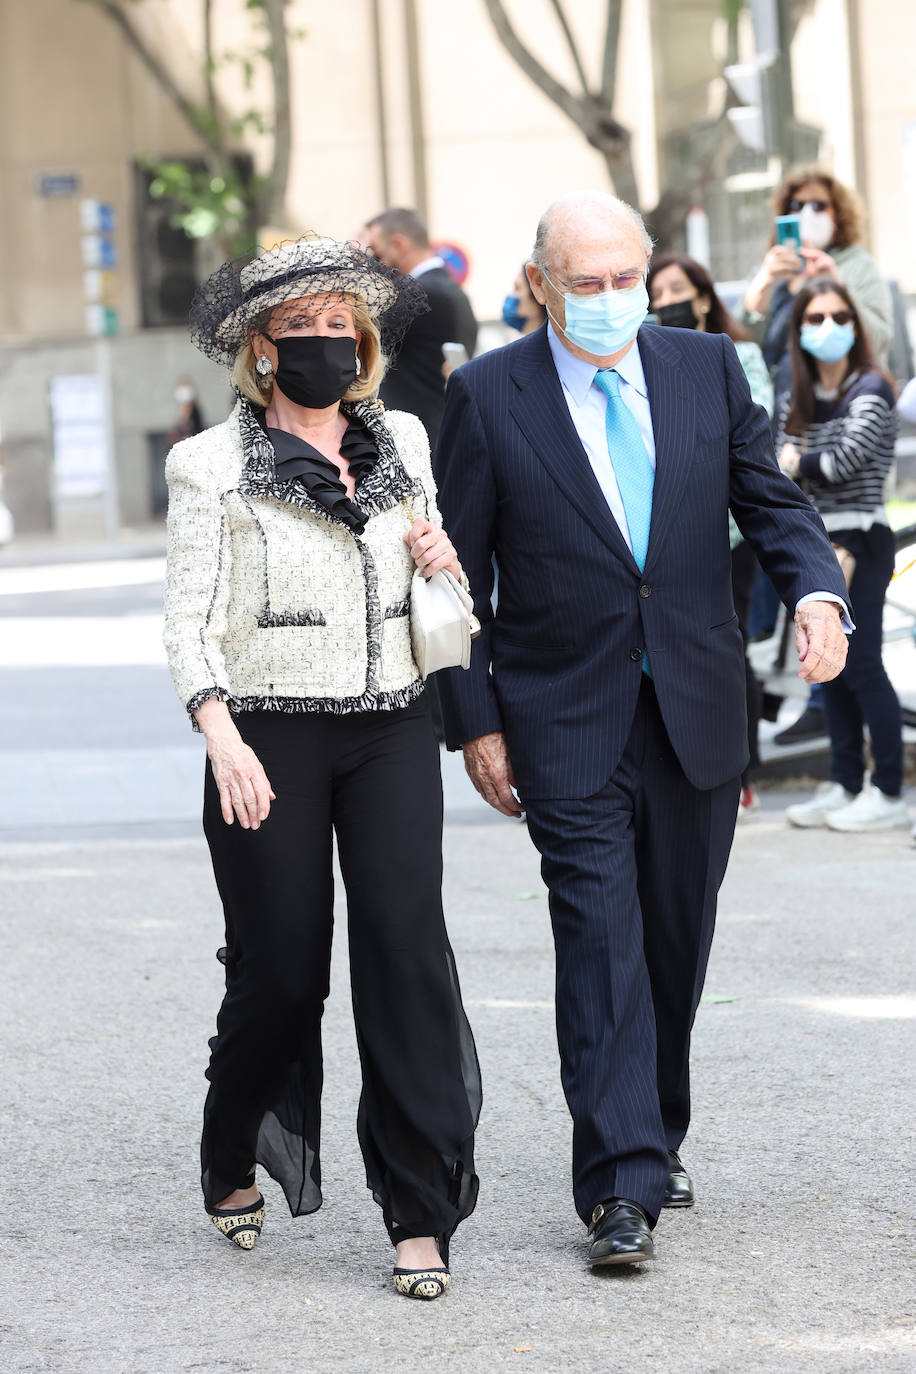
x=431 y=549
x=818 y=263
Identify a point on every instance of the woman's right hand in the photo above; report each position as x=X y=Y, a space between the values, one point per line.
x=244 y=789
x=780 y=264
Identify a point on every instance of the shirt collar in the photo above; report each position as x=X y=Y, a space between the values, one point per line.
x=426 y=265
x=577 y=375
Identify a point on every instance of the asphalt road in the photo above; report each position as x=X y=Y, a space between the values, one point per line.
x=800 y=1253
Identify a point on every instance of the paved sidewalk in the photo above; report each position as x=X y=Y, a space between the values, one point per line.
x=798 y=1256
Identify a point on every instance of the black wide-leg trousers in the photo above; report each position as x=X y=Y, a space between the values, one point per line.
x=374 y=780
x=633 y=875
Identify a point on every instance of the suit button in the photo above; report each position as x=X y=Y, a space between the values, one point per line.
x=636 y=655
x=645 y=590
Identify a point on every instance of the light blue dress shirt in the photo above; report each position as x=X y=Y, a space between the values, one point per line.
x=588 y=409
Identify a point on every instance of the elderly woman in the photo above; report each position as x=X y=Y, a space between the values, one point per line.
x=294 y=530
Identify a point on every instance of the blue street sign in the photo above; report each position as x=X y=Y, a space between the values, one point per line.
x=54 y=184
x=97 y=217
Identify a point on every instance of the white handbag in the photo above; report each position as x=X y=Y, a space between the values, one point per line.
x=442 y=620
x=442 y=623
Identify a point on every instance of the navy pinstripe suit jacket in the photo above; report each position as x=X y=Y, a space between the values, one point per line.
x=558 y=668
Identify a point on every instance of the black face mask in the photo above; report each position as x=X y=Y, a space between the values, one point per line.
x=314 y=370
x=679 y=314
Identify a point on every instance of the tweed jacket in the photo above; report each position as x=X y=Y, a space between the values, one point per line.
x=271 y=601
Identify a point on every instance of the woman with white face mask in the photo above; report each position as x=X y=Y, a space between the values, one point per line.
x=836 y=435
x=831 y=228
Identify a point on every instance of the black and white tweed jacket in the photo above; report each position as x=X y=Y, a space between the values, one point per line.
x=271 y=602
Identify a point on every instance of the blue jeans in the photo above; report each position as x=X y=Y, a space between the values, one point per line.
x=862 y=694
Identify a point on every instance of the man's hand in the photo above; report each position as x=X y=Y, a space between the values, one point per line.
x=487 y=762
x=820 y=641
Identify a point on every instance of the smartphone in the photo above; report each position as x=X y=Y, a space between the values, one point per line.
x=788 y=231
x=455 y=354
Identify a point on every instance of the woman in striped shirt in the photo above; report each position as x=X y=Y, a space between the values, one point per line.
x=836 y=435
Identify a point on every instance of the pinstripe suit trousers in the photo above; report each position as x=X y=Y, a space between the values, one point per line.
x=633 y=874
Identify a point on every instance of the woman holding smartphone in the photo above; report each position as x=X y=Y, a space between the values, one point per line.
x=831 y=225
x=836 y=434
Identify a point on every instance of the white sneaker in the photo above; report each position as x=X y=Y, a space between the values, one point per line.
x=871 y=810
x=749 y=805
x=829 y=798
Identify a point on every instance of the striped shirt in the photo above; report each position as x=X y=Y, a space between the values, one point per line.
x=847 y=451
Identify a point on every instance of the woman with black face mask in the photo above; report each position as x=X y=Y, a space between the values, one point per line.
x=682 y=295
x=294 y=531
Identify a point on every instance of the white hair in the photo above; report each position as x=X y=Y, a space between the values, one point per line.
x=587 y=202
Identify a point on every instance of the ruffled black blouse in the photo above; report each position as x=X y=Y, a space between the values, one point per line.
x=295 y=460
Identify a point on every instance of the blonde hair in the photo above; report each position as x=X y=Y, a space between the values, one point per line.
x=259 y=389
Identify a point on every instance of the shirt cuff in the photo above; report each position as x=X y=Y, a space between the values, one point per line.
x=809 y=465
x=845 y=621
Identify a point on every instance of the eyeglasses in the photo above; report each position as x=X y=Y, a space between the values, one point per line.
x=796 y=206
x=592 y=286
x=838 y=316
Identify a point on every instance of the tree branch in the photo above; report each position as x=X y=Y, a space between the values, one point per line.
x=137 y=43
x=611 y=46
x=547 y=84
x=699 y=157
x=571 y=44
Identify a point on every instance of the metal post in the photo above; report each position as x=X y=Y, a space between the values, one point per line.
x=381 y=112
x=415 y=100
x=859 y=144
x=772 y=27
x=103 y=368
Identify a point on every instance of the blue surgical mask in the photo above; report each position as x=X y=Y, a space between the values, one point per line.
x=512 y=316
x=829 y=341
x=602 y=324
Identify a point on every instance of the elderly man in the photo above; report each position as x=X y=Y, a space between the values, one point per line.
x=597 y=460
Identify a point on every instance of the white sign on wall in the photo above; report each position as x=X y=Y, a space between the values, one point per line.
x=79 y=433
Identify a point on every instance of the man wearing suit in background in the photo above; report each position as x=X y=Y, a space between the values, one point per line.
x=597 y=460
x=415 y=382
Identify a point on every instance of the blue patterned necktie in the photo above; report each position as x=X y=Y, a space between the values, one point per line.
x=630 y=461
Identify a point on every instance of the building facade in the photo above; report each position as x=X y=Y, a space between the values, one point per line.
x=394 y=101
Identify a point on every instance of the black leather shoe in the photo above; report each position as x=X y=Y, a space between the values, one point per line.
x=811 y=724
x=679 y=1192
x=619 y=1234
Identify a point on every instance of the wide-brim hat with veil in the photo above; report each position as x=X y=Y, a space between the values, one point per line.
x=242 y=295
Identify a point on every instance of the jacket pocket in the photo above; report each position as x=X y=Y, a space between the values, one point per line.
x=278 y=620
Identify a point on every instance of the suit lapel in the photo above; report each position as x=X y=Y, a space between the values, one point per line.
x=540 y=410
x=672 y=404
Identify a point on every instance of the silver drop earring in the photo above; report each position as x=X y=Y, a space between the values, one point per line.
x=264 y=366
x=359 y=366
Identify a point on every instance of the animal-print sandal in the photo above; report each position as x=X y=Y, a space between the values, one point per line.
x=241 y=1225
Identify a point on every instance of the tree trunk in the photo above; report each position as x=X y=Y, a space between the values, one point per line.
x=622 y=174
x=271 y=206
